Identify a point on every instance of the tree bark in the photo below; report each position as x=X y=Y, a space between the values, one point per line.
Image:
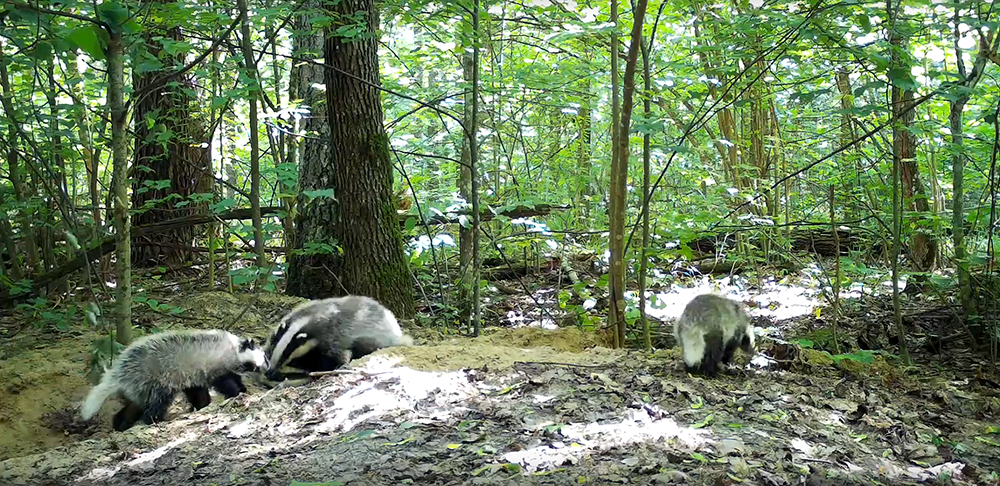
x=901 y=149
x=20 y=192
x=174 y=148
x=255 y=93
x=616 y=309
x=987 y=50
x=923 y=244
x=123 y=265
x=360 y=218
x=619 y=179
x=466 y=280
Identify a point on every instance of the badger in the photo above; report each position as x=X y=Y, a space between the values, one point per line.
x=323 y=335
x=710 y=330
x=152 y=370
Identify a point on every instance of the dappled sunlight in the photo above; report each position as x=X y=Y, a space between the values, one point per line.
x=147 y=459
x=638 y=426
x=438 y=395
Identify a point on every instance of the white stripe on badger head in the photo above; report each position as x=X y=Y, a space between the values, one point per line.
x=290 y=332
x=303 y=349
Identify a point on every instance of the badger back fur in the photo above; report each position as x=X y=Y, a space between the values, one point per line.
x=710 y=330
x=153 y=369
x=325 y=334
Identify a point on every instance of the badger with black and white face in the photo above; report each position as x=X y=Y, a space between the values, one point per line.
x=325 y=334
x=152 y=370
x=710 y=330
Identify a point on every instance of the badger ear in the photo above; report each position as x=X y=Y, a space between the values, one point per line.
x=247 y=344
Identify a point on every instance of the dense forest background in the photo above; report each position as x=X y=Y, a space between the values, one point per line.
x=488 y=168
x=419 y=149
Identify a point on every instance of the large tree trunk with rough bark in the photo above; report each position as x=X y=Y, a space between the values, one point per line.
x=313 y=147
x=923 y=244
x=360 y=217
x=173 y=148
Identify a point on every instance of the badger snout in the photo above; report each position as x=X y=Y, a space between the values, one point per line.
x=274 y=375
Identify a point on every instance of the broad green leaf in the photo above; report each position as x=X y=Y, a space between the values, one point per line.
x=87 y=39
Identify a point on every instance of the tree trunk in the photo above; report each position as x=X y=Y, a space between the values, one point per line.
x=20 y=192
x=313 y=149
x=987 y=50
x=255 y=94
x=923 y=245
x=616 y=193
x=583 y=159
x=619 y=179
x=360 y=217
x=647 y=150
x=465 y=191
x=123 y=265
x=58 y=167
x=170 y=145
x=901 y=148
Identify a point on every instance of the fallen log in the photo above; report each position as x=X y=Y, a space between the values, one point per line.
x=108 y=244
x=486 y=215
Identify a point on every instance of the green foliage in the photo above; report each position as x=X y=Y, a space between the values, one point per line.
x=156 y=305
x=47 y=315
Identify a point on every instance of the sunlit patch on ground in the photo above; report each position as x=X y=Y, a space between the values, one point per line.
x=581 y=439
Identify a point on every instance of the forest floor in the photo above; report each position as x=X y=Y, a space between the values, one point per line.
x=515 y=406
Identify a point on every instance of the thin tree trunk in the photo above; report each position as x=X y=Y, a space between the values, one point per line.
x=835 y=287
x=251 y=66
x=646 y=156
x=956 y=124
x=619 y=179
x=900 y=145
x=13 y=268
x=465 y=253
x=123 y=264
x=474 y=174
x=583 y=159
x=16 y=180
x=616 y=307
x=59 y=168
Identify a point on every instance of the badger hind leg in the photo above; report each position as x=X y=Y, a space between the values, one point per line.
x=198 y=396
x=229 y=385
x=159 y=402
x=727 y=355
x=127 y=416
x=713 y=354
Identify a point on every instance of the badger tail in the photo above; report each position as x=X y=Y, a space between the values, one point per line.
x=405 y=340
x=97 y=396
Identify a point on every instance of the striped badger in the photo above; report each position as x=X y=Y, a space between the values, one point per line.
x=323 y=335
x=710 y=330
x=154 y=368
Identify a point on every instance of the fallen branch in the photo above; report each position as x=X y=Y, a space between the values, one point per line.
x=488 y=214
x=108 y=245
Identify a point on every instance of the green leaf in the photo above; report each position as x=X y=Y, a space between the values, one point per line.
x=42 y=51
x=411 y=223
x=222 y=206
x=318 y=193
x=87 y=39
x=114 y=13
